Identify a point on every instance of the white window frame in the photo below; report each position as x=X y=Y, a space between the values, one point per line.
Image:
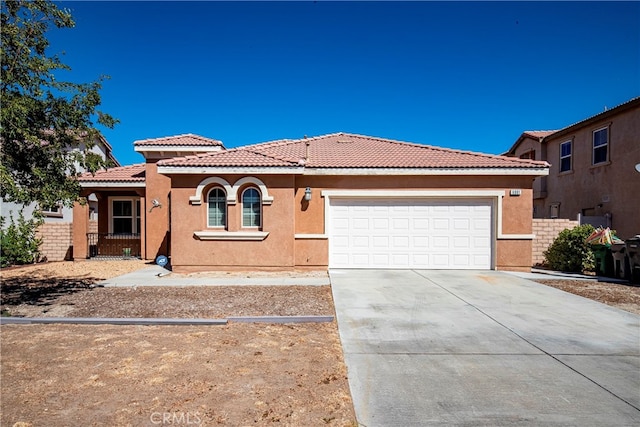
x=135 y=212
x=570 y=156
x=225 y=216
x=51 y=213
x=257 y=190
x=605 y=145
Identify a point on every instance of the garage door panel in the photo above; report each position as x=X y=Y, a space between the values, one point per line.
x=420 y=241
x=361 y=242
x=409 y=233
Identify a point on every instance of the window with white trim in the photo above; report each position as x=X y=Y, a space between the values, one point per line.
x=54 y=211
x=600 y=145
x=125 y=216
x=251 y=208
x=565 y=156
x=217 y=208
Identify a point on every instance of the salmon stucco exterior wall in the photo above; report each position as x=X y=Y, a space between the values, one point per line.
x=296 y=228
x=600 y=191
x=191 y=253
x=80 y=230
x=156 y=217
x=610 y=188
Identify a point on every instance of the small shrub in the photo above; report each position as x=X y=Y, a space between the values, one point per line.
x=568 y=252
x=18 y=242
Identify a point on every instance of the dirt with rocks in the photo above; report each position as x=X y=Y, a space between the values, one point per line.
x=108 y=375
x=624 y=296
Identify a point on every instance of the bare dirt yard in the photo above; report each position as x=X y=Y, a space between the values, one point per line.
x=624 y=296
x=238 y=375
x=106 y=375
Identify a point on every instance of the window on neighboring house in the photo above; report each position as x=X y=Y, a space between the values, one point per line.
x=125 y=216
x=53 y=211
x=565 y=156
x=251 y=208
x=600 y=145
x=217 y=211
x=531 y=155
x=554 y=210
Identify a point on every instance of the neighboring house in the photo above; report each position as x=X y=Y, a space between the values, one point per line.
x=332 y=201
x=592 y=175
x=57 y=228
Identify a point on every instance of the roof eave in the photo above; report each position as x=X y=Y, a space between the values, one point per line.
x=200 y=170
x=112 y=184
x=141 y=148
x=631 y=104
x=533 y=171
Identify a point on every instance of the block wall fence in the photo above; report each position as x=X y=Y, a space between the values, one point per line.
x=546 y=230
x=57 y=240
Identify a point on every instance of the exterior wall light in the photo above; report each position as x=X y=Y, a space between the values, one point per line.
x=307 y=194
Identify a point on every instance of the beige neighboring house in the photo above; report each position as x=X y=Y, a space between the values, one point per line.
x=592 y=176
x=56 y=232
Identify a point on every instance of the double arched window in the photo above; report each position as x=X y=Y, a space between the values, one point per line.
x=217 y=209
x=251 y=208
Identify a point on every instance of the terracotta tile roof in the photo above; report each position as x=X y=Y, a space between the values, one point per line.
x=181 y=140
x=539 y=133
x=239 y=157
x=132 y=173
x=344 y=150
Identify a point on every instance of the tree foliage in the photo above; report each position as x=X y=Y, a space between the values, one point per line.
x=47 y=126
x=569 y=252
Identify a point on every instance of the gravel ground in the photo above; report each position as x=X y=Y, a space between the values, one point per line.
x=623 y=296
x=67 y=289
x=105 y=375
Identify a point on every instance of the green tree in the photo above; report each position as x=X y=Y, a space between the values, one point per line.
x=43 y=121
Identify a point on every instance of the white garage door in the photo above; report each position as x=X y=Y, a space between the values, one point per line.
x=409 y=233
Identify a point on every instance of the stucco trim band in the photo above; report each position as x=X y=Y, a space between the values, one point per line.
x=231 y=190
x=231 y=235
x=310 y=236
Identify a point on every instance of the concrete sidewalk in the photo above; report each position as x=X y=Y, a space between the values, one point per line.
x=159 y=276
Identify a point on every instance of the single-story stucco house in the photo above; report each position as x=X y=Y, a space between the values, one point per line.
x=333 y=201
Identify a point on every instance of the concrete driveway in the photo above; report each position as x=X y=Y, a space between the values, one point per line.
x=483 y=349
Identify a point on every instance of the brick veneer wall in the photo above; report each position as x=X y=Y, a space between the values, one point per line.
x=546 y=230
x=57 y=242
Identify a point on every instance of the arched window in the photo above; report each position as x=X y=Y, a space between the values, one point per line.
x=251 y=208
x=217 y=210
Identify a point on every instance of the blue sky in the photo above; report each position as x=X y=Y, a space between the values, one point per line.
x=465 y=75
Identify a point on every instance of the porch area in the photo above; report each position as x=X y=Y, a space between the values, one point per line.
x=112 y=245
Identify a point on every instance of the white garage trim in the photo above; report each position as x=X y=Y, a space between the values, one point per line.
x=497 y=195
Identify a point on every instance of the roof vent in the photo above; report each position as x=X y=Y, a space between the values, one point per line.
x=344 y=141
